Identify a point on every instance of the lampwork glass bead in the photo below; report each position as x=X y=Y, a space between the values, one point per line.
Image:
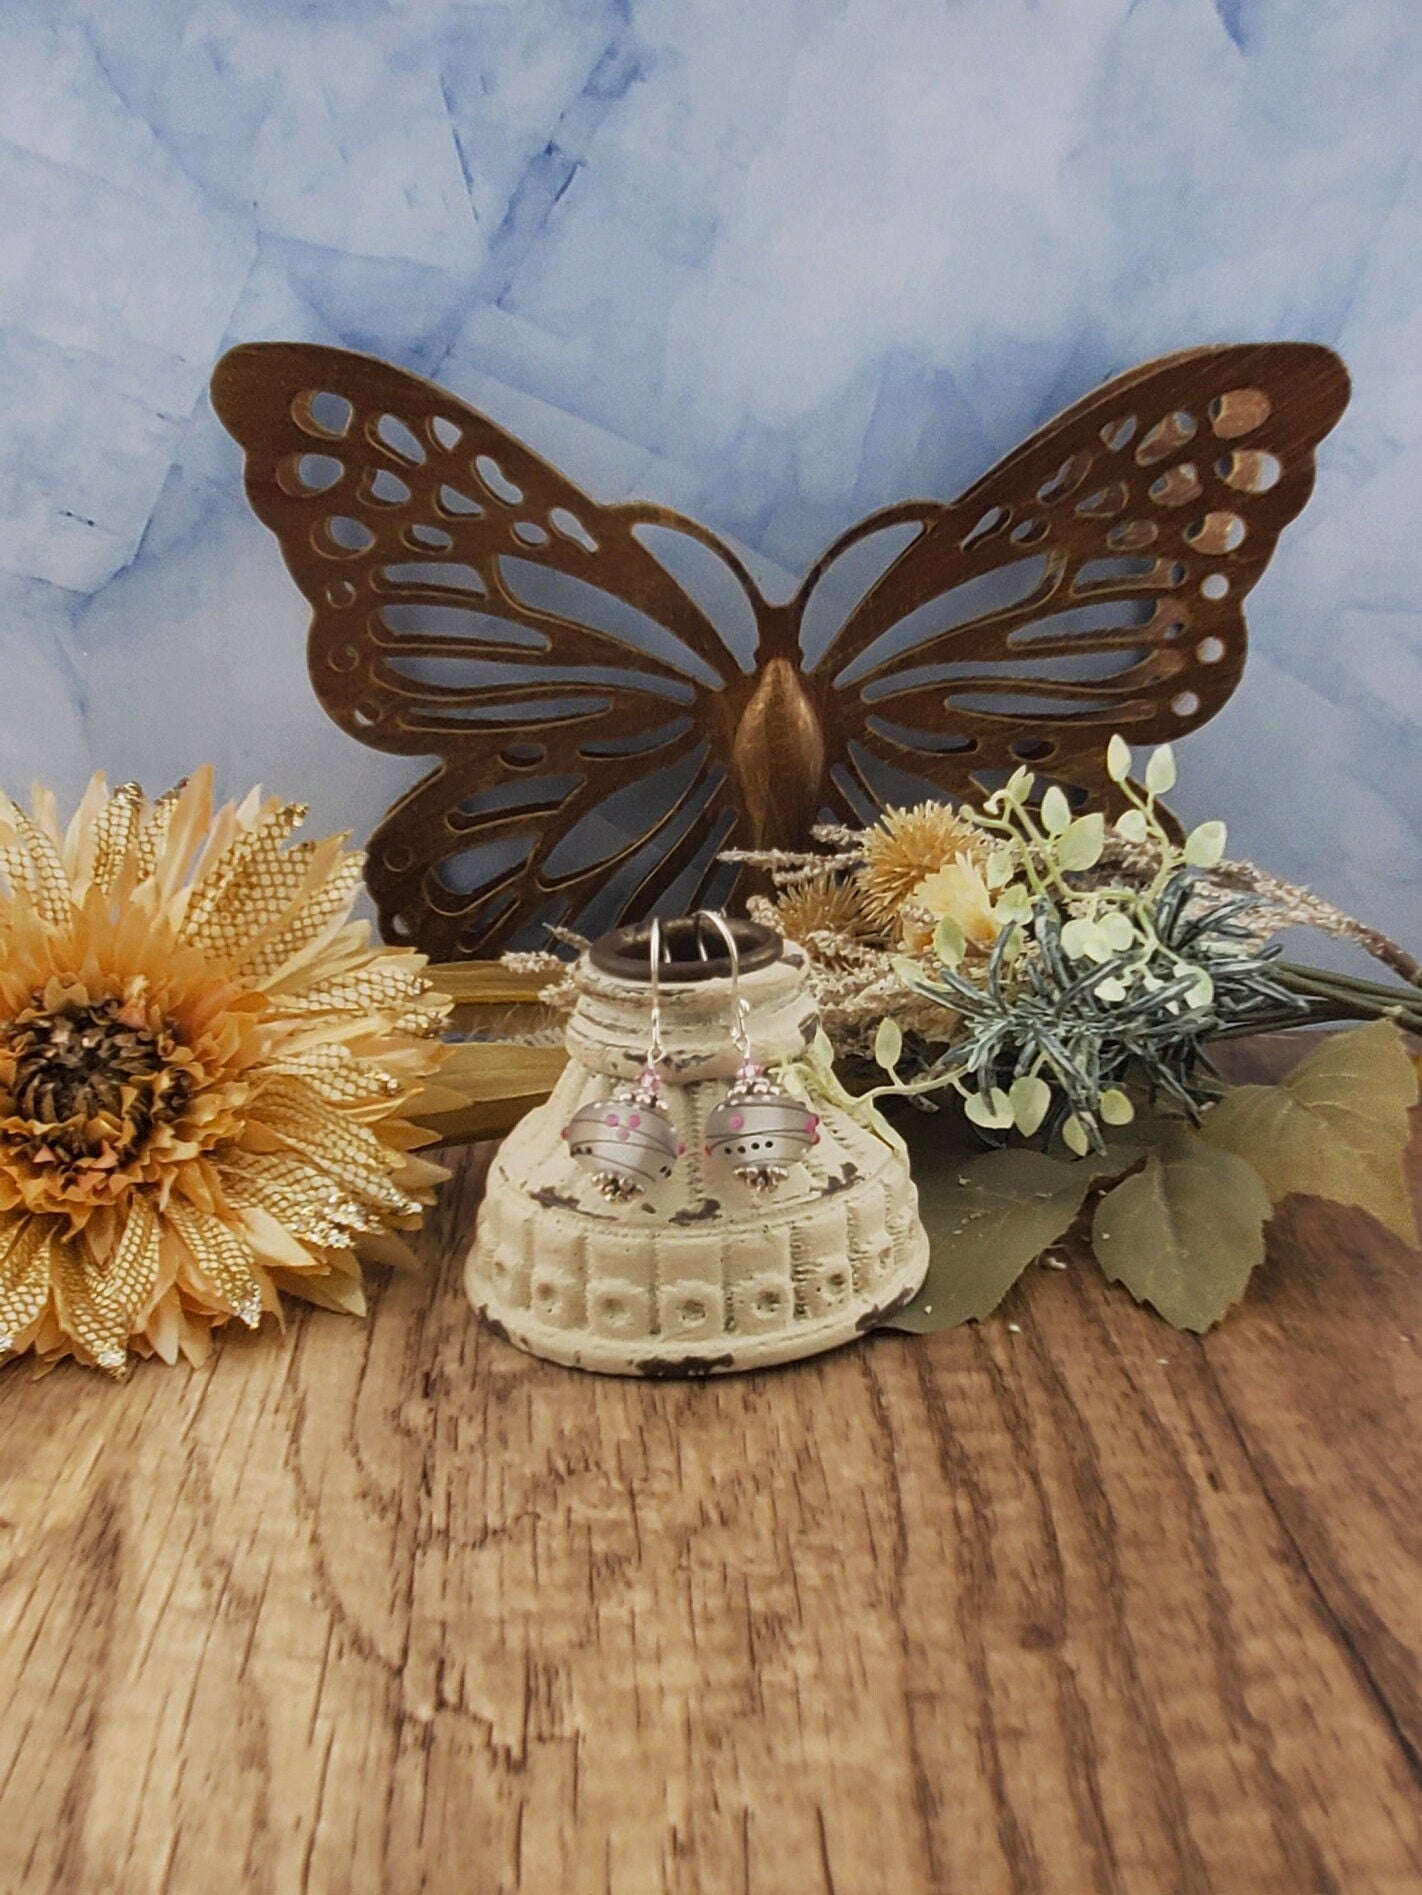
x=627 y=1142
x=760 y=1131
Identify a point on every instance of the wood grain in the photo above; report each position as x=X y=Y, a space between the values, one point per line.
x=1080 y=1605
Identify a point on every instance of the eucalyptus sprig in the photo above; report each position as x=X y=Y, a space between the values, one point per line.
x=1048 y=1047
x=1094 y=995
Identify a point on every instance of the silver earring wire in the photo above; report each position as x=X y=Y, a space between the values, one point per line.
x=655 y=1049
x=740 y=1012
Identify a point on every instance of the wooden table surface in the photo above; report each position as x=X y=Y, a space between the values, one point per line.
x=1081 y=1605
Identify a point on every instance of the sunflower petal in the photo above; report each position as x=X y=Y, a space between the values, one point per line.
x=31 y=860
x=243 y=891
x=350 y=1154
x=302 y=1196
x=327 y=904
x=89 y=1315
x=335 y=1075
x=103 y=851
x=131 y=1272
x=223 y=1258
x=24 y=1277
x=152 y=837
x=186 y=823
x=388 y=983
x=346 y=1294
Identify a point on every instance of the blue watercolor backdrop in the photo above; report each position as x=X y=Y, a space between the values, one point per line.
x=772 y=261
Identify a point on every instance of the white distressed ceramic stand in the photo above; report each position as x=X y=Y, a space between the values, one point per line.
x=702 y=1276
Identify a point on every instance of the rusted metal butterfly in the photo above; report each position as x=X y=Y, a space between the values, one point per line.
x=612 y=700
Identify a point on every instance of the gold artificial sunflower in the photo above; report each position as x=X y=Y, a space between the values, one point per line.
x=205 y=1073
x=905 y=848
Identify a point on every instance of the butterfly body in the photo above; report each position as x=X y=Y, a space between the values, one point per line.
x=599 y=734
x=778 y=759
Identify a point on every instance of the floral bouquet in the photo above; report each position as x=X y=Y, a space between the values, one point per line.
x=1065 y=984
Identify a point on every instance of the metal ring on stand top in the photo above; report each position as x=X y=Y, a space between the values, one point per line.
x=623 y=953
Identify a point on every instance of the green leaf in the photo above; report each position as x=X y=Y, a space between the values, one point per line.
x=987 y=1218
x=1001 y=866
x=1117 y=930
x=911 y=974
x=950 y=944
x=1131 y=824
x=1030 y=1097
x=1056 y=811
x=1336 y=1127
x=1205 y=845
x=1082 y=842
x=888 y=1043
x=1075 y=1136
x=1202 y=993
x=1118 y=759
x=1115 y=1106
x=1014 y=904
x=1160 y=771
x=1018 y=786
x=1185 y=1231
x=993 y=1113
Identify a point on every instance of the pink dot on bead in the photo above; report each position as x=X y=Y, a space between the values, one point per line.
x=708 y=1151
x=611 y=1119
x=736 y=1121
x=624 y=1135
x=634 y=1119
x=681 y=1150
x=814 y=1138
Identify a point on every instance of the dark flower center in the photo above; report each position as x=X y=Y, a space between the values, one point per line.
x=88 y=1082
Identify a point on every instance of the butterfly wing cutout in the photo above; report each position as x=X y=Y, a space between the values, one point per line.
x=1092 y=582
x=470 y=604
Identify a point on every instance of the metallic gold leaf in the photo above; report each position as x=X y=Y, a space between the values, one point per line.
x=486 y=1087
x=486 y=983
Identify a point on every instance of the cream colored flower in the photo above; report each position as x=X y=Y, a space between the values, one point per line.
x=204 y=1073
x=958 y=892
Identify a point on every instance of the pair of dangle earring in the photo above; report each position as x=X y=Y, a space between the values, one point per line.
x=758 y=1130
